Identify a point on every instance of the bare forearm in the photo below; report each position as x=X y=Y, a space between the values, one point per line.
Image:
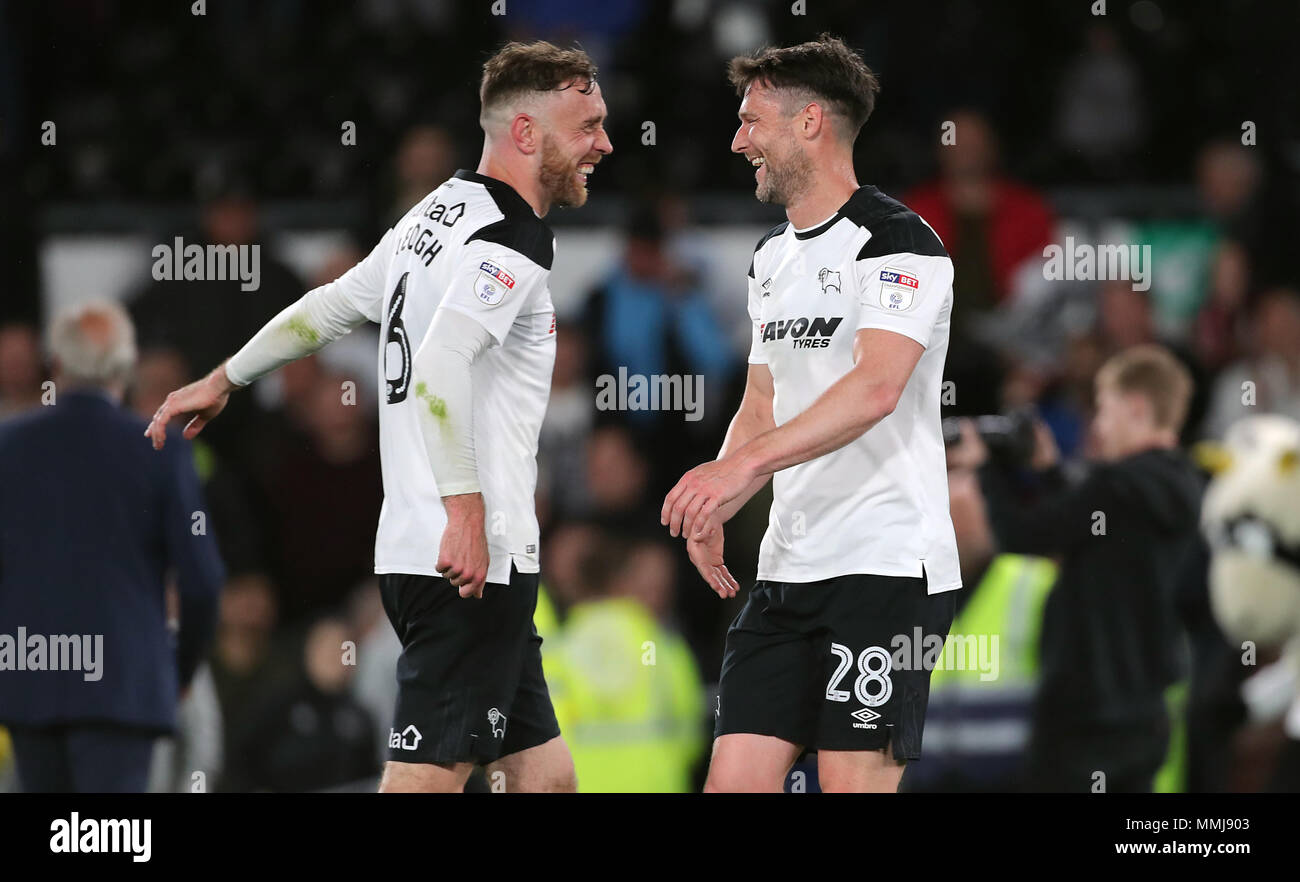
x=838 y=417
x=746 y=425
x=465 y=508
x=219 y=378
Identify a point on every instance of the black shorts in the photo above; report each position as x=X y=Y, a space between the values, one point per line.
x=830 y=665
x=469 y=680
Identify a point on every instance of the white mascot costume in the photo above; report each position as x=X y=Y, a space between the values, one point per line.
x=1251 y=517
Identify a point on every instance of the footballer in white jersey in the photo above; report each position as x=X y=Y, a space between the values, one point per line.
x=459 y=289
x=851 y=304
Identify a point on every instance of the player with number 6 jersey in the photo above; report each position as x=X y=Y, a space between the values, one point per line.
x=459 y=286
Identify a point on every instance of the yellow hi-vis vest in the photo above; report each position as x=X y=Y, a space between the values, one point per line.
x=628 y=697
x=546 y=618
x=989 y=665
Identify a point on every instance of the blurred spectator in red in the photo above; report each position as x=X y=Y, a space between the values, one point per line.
x=21 y=370
x=989 y=223
x=1267 y=380
x=311 y=735
x=1219 y=327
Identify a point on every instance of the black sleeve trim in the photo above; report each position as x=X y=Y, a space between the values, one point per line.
x=770 y=234
x=902 y=234
x=529 y=237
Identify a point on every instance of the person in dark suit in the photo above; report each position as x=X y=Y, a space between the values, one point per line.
x=94 y=526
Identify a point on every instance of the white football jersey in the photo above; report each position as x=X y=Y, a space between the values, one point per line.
x=473 y=245
x=878 y=505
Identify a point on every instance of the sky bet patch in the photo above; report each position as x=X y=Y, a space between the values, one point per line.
x=897 y=289
x=493 y=283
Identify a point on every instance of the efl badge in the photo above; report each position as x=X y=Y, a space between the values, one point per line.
x=493 y=283
x=897 y=290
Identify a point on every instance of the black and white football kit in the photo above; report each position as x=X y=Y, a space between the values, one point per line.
x=859 y=559
x=470 y=676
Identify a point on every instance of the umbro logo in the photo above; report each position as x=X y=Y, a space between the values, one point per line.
x=408 y=739
x=864 y=716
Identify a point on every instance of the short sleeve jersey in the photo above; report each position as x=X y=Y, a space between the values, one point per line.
x=878 y=505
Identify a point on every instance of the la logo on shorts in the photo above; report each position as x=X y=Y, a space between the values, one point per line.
x=407 y=739
x=897 y=289
x=493 y=282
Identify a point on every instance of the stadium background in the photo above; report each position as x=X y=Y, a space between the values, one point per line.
x=1126 y=127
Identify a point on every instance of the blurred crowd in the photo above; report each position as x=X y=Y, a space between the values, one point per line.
x=291 y=470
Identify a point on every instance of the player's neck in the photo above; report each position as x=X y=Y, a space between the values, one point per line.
x=830 y=189
x=523 y=181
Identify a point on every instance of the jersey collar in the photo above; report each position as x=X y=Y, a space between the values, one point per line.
x=861 y=193
x=507 y=196
x=817 y=230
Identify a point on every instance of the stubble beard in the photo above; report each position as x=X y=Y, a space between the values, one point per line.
x=785 y=181
x=558 y=177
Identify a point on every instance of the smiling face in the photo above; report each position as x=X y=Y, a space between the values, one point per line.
x=573 y=141
x=766 y=137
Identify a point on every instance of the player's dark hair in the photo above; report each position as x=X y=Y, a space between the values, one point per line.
x=1156 y=374
x=826 y=68
x=534 y=67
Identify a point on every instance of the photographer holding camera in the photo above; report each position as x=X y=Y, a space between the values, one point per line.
x=1124 y=535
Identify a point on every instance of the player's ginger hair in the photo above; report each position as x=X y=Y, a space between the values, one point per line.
x=519 y=73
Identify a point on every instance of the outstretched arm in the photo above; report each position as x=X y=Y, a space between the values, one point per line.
x=319 y=317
